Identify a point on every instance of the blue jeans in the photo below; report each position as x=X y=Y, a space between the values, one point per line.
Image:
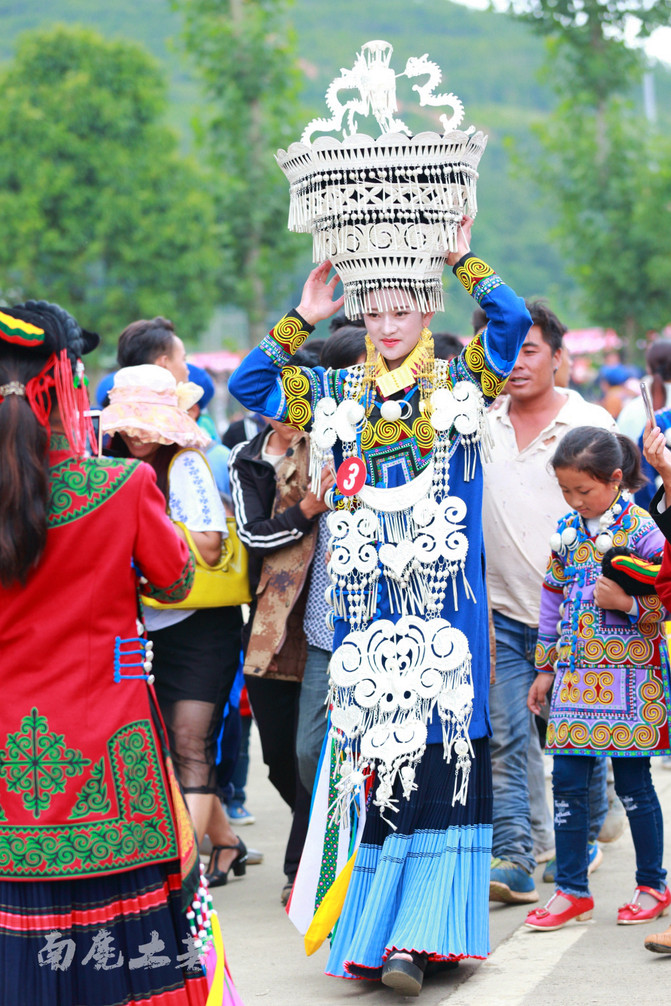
x=312 y=714
x=511 y=731
x=633 y=784
x=239 y=777
x=542 y=828
x=515 y=786
x=598 y=798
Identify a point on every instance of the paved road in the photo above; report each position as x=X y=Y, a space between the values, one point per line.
x=593 y=964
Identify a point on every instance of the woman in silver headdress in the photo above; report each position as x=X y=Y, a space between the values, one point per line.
x=410 y=671
x=402 y=803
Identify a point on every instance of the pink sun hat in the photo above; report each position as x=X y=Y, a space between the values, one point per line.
x=147 y=403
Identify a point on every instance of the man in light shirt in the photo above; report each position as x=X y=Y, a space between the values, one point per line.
x=522 y=504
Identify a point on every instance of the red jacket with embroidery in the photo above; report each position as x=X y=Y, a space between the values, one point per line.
x=83 y=782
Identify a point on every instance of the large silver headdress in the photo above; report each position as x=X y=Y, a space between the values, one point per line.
x=385 y=211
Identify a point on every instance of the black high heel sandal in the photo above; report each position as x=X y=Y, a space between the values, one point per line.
x=218 y=878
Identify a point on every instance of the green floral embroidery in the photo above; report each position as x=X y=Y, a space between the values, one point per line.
x=92 y=798
x=79 y=486
x=37 y=763
x=121 y=842
x=96 y=850
x=59 y=442
x=178 y=590
x=132 y=750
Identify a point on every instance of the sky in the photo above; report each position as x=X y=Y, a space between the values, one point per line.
x=658 y=45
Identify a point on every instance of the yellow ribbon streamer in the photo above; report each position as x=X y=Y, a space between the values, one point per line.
x=329 y=910
x=216 y=994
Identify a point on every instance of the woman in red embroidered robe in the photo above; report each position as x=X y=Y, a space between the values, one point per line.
x=95 y=844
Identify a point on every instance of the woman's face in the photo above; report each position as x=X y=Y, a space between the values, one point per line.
x=138 y=449
x=395 y=332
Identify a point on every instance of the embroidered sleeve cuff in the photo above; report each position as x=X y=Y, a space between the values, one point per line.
x=649 y=605
x=545 y=656
x=285 y=338
x=178 y=590
x=476 y=277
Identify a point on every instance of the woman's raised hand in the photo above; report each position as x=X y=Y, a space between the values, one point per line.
x=658 y=455
x=463 y=241
x=655 y=450
x=317 y=301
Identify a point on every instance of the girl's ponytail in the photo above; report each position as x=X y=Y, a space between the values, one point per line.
x=632 y=476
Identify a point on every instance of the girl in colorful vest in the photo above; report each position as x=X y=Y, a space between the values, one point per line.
x=601 y=649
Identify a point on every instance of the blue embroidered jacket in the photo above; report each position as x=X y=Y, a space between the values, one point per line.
x=265 y=383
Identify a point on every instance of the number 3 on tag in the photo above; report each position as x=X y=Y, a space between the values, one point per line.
x=351 y=476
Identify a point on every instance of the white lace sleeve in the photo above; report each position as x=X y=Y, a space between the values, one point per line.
x=194 y=497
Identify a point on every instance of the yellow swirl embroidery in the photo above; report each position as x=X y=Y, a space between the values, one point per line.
x=473 y=270
x=289 y=333
x=597 y=690
x=423 y=432
x=569 y=690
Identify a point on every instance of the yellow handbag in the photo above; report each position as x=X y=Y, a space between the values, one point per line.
x=226 y=583
x=217 y=586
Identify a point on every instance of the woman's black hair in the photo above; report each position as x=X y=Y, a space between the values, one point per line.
x=598 y=453
x=344 y=347
x=446 y=345
x=160 y=461
x=24 y=442
x=24 y=470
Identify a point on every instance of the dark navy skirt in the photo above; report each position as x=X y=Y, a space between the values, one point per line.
x=103 y=941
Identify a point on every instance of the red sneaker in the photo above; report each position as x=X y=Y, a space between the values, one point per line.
x=545 y=919
x=632 y=914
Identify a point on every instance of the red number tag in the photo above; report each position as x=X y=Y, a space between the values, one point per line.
x=351 y=476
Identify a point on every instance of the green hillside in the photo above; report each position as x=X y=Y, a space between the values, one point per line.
x=487 y=59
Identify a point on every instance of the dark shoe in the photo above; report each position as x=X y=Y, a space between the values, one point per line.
x=286 y=891
x=218 y=878
x=406 y=977
x=439 y=968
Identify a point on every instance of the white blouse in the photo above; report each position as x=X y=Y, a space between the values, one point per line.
x=195 y=501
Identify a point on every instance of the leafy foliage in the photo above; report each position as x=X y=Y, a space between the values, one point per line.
x=99 y=210
x=243 y=51
x=595 y=32
x=607 y=177
x=611 y=183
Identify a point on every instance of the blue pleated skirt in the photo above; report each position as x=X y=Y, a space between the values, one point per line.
x=424 y=886
x=116 y=939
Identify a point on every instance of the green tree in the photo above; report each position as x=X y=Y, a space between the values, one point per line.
x=593 y=32
x=606 y=174
x=243 y=51
x=99 y=210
